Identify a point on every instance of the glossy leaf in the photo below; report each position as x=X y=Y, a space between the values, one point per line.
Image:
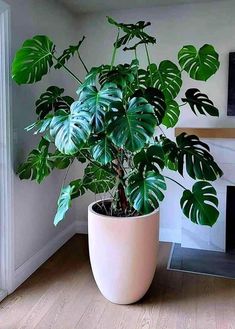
x=52 y=100
x=156 y=98
x=200 y=103
x=33 y=60
x=102 y=151
x=68 y=53
x=132 y=127
x=145 y=191
x=91 y=77
x=198 y=161
x=73 y=190
x=42 y=125
x=166 y=77
x=96 y=102
x=199 y=64
x=149 y=159
x=122 y=74
x=70 y=130
x=172 y=114
x=97 y=179
x=38 y=164
x=200 y=205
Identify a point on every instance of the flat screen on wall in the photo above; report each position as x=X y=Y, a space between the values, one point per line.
x=231 y=85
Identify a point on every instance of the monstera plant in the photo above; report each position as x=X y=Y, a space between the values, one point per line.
x=115 y=126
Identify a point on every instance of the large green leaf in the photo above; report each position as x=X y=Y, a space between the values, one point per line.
x=132 y=31
x=199 y=162
x=201 y=64
x=70 y=130
x=102 y=149
x=38 y=164
x=52 y=100
x=145 y=191
x=166 y=77
x=149 y=159
x=68 y=53
x=172 y=114
x=156 y=98
x=200 y=103
x=33 y=60
x=96 y=102
x=132 y=127
x=98 y=179
x=73 y=190
x=200 y=204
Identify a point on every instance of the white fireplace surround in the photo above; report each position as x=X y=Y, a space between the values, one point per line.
x=203 y=237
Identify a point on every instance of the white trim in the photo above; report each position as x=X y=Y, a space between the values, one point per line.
x=6 y=172
x=34 y=262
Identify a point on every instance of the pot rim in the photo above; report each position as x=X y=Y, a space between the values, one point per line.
x=90 y=209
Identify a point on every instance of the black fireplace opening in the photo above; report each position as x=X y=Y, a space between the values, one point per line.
x=230 y=220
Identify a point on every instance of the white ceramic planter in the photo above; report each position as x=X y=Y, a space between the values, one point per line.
x=123 y=254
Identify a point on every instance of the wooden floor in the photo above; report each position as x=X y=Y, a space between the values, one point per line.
x=62 y=294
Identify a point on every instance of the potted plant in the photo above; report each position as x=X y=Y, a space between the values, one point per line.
x=115 y=126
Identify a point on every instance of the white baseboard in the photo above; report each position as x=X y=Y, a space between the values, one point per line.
x=170 y=235
x=33 y=263
x=3 y=294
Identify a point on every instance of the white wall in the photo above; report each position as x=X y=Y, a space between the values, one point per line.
x=35 y=205
x=174 y=26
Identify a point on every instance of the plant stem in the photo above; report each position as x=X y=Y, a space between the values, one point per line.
x=162 y=131
x=149 y=62
x=84 y=65
x=66 y=174
x=183 y=187
x=68 y=70
x=138 y=82
x=114 y=51
x=183 y=104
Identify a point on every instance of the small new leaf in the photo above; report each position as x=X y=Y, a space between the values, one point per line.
x=68 y=53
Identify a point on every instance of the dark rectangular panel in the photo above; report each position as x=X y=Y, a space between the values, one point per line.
x=231 y=85
x=230 y=219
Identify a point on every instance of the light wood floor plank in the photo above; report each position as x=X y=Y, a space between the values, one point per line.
x=62 y=294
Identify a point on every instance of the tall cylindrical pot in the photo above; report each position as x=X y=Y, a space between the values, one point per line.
x=123 y=254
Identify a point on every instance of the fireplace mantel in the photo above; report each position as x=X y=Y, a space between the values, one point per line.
x=207 y=132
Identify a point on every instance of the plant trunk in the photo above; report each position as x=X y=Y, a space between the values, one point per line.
x=122 y=198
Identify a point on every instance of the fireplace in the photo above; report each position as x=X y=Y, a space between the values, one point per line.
x=230 y=220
